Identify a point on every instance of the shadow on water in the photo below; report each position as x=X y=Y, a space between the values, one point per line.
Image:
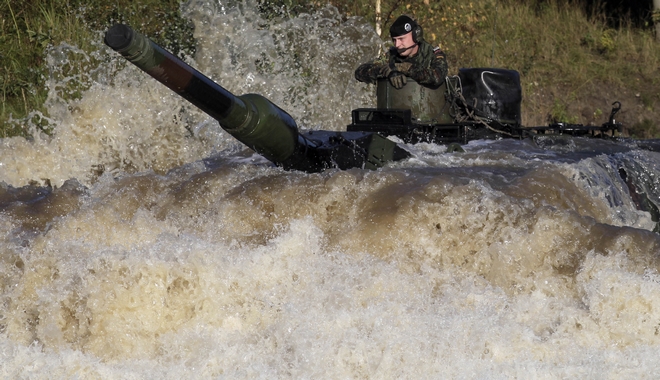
x=36 y=207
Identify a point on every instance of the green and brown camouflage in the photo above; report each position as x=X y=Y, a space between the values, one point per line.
x=428 y=66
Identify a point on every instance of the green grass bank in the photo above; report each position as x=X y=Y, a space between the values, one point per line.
x=28 y=27
x=572 y=65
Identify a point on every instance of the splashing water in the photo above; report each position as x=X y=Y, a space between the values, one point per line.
x=141 y=241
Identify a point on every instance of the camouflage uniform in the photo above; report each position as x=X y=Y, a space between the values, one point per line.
x=429 y=66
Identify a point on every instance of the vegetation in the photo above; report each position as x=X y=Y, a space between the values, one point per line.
x=28 y=27
x=573 y=63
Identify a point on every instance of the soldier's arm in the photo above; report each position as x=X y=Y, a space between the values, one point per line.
x=370 y=72
x=434 y=75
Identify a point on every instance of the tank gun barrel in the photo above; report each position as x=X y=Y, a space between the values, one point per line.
x=253 y=119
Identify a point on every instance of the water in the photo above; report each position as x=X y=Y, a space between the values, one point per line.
x=141 y=241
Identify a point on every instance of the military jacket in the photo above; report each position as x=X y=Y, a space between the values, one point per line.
x=429 y=66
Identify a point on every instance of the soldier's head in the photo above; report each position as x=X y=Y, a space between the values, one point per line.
x=406 y=35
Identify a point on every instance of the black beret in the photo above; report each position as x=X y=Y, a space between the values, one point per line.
x=403 y=25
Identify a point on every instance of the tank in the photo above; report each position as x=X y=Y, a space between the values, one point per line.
x=251 y=118
x=479 y=103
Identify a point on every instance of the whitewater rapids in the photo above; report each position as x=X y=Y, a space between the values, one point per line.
x=141 y=241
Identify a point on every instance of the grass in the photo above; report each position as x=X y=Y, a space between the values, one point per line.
x=572 y=64
x=29 y=27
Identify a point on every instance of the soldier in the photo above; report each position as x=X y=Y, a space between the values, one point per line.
x=410 y=56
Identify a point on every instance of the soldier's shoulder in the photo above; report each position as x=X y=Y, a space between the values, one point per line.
x=439 y=53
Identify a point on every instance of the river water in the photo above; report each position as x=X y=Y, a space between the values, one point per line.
x=140 y=241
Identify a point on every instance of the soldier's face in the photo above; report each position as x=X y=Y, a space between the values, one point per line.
x=405 y=45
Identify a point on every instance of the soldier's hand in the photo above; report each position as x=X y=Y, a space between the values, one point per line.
x=385 y=71
x=403 y=67
x=397 y=79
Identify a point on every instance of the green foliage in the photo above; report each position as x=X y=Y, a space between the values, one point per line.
x=603 y=43
x=560 y=114
x=33 y=26
x=644 y=129
x=648 y=100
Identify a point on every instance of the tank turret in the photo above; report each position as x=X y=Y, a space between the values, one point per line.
x=426 y=105
x=253 y=119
